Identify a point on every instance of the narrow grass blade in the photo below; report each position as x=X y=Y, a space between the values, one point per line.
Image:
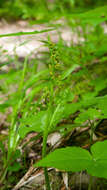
x=26 y=33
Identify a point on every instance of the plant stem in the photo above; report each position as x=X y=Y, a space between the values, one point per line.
x=90 y=183
x=43 y=155
x=47 y=179
x=45 y=136
x=92 y=132
x=5 y=169
x=2 y=177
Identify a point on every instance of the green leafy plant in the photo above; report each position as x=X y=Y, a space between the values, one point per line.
x=77 y=159
x=68 y=93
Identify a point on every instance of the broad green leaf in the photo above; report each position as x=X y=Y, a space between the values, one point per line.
x=68 y=159
x=100 y=83
x=89 y=114
x=71 y=108
x=98 y=166
x=34 y=123
x=102 y=104
x=93 y=101
x=99 y=150
x=94 y=16
x=64 y=111
x=99 y=103
x=77 y=159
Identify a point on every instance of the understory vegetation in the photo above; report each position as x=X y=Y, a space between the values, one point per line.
x=44 y=10
x=60 y=90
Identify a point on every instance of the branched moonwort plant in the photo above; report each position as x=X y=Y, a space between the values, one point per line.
x=47 y=97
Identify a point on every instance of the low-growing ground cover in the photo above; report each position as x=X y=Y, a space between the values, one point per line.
x=63 y=89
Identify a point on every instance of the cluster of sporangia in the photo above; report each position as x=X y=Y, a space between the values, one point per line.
x=54 y=65
x=54 y=70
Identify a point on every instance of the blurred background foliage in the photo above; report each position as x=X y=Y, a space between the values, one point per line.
x=40 y=9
